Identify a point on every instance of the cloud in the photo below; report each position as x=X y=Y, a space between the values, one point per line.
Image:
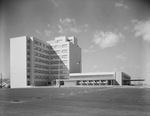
x=120 y=4
x=67 y=22
x=133 y=66
x=38 y=32
x=106 y=39
x=54 y=2
x=142 y=28
x=89 y=50
x=69 y=25
x=48 y=32
x=121 y=57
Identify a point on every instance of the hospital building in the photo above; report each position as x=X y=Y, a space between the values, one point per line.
x=34 y=62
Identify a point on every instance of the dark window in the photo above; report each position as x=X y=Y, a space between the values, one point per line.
x=28 y=83
x=28 y=76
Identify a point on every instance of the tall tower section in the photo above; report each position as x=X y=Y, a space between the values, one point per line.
x=29 y=62
x=20 y=60
x=65 y=57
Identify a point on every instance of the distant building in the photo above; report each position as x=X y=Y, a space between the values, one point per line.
x=34 y=62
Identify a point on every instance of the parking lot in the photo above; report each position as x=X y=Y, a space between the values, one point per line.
x=75 y=101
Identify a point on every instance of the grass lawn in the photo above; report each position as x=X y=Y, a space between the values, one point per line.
x=85 y=101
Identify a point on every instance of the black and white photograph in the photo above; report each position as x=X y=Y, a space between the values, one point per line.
x=74 y=58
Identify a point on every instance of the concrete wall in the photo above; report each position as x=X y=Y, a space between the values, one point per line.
x=93 y=77
x=75 y=58
x=69 y=83
x=118 y=77
x=18 y=62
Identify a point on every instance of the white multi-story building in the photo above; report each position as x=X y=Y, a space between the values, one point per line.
x=34 y=62
x=65 y=58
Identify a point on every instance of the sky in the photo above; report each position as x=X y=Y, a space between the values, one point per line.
x=114 y=34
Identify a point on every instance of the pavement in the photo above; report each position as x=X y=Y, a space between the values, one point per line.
x=76 y=101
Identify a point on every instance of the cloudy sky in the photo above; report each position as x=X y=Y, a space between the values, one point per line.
x=114 y=34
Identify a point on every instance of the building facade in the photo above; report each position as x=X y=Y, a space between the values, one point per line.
x=102 y=78
x=65 y=58
x=34 y=62
x=29 y=62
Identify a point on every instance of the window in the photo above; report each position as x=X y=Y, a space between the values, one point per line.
x=28 y=65
x=63 y=67
x=28 y=47
x=65 y=61
x=28 y=41
x=64 y=56
x=28 y=76
x=54 y=57
x=28 y=59
x=58 y=51
x=54 y=67
x=28 y=70
x=35 y=42
x=28 y=82
x=53 y=52
x=47 y=47
x=64 y=45
x=59 y=41
x=64 y=51
x=54 y=72
x=28 y=53
x=54 y=62
x=56 y=46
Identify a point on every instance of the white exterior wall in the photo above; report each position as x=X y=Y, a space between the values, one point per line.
x=75 y=58
x=18 y=62
x=119 y=77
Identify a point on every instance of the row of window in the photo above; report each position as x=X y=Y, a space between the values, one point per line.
x=41 y=44
x=40 y=77
x=59 y=72
x=40 y=49
x=28 y=40
x=40 y=60
x=54 y=57
x=28 y=46
x=28 y=64
x=59 y=77
x=41 y=71
x=57 y=57
x=58 y=51
x=41 y=55
x=59 y=62
x=41 y=66
x=28 y=70
x=28 y=58
x=57 y=67
x=28 y=52
x=28 y=76
x=60 y=46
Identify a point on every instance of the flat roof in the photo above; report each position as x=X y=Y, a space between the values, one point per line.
x=137 y=80
x=90 y=74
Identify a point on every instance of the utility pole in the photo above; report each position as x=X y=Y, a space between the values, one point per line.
x=59 y=71
x=1 y=81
